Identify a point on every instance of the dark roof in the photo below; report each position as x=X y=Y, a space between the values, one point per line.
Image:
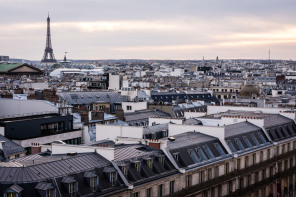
x=9 y=147
x=143 y=115
x=91 y=97
x=240 y=128
x=44 y=186
x=50 y=169
x=182 y=96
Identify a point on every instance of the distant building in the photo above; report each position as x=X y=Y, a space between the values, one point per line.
x=18 y=69
x=4 y=58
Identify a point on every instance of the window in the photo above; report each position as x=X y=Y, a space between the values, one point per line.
x=128 y=107
x=216 y=171
x=288 y=147
x=161 y=160
x=124 y=170
x=209 y=152
x=254 y=158
x=149 y=163
x=247 y=142
x=212 y=191
x=241 y=182
x=72 y=189
x=219 y=190
x=262 y=138
x=176 y=156
x=256 y=177
x=93 y=183
x=50 y=193
x=172 y=187
x=294 y=145
x=205 y=193
x=291 y=162
x=261 y=156
x=238 y=164
x=188 y=180
x=193 y=156
x=270 y=171
x=283 y=148
x=138 y=166
x=229 y=187
x=201 y=154
x=219 y=149
x=240 y=145
x=201 y=176
x=209 y=173
x=232 y=148
x=226 y=168
x=268 y=154
x=11 y=194
x=136 y=194
x=246 y=161
x=256 y=142
x=113 y=178
x=160 y=192
x=148 y=192
x=249 y=180
x=277 y=150
x=263 y=173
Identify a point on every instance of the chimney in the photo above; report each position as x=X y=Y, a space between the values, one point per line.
x=35 y=148
x=97 y=115
x=107 y=110
x=84 y=117
x=2 y=144
x=120 y=114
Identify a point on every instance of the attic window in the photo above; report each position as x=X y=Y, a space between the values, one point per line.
x=193 y=156
x=240 y=145
x=201 y=154
x=232 y=148
x=219 y=149
x=113 y=178
x=209 y=152
x=176 y=156
x=138 y=166
x=247 y=141
x=124 y=170
x=149 y=163
x=161 y=160
x=262 y=138
x=255 y=140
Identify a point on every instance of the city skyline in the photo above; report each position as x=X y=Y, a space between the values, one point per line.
x=150 y=30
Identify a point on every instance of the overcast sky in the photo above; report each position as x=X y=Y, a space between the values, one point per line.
x=149 y=29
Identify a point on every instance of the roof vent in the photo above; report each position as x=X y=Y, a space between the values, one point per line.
x=171 y=139
x=72 y=154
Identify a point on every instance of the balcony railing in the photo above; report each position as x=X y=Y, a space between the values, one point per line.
x=231 y=175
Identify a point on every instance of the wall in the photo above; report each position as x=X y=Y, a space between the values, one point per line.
x=108 y=153
x=112 y=131
x=49 y=139
x=114 y=82
x=188 y=115
x=164 y=120
x=10 y=107
x=135 y=106
x=216 y=109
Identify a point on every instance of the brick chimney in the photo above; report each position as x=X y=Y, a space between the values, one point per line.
x=97 y=115
x=120 y=114
x=107 y=110
x=35 y=148
x=84 y=117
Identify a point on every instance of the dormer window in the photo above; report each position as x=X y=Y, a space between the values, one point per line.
x=149 y=163
x=161 y=160
x=46 y=189
x=124 y=170
x=71 y=184
x=138 y=166
x=111 y=174
x=176 y=156
x=113 y=178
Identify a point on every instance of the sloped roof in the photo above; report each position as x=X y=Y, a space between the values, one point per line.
x=240 y=128
x=11 y=147
x=8 y=66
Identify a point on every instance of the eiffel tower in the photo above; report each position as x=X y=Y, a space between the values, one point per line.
x=48 y=56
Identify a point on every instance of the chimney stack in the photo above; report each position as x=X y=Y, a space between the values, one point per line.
x=97 y=115
x=120 y=114
x=84 y=117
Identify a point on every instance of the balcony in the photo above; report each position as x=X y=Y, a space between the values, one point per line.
x=226 y=177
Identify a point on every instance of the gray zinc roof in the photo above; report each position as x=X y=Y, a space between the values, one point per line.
x=240 y=128
x=91 y=97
